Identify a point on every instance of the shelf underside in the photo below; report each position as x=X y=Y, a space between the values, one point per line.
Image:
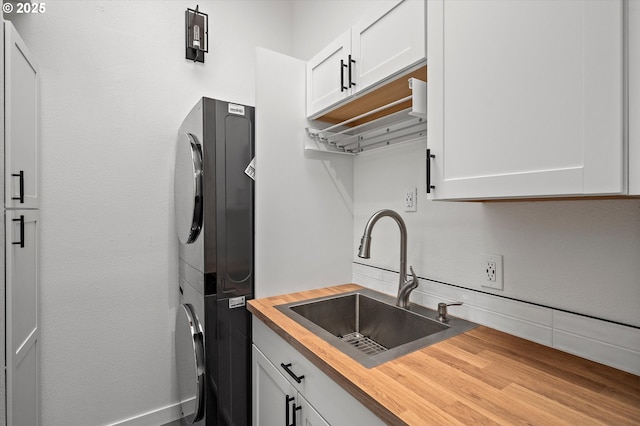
x=392 y=91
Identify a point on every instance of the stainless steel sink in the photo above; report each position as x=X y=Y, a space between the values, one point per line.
x=367 y=326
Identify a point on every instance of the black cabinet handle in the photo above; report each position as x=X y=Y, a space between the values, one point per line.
x=295 y=408
x=351 y=61
x=295 y=418
x=21 y=176
x=291 y=373
x=342 y=67
x=21 y=220
x=287 y=400
x=429 y=157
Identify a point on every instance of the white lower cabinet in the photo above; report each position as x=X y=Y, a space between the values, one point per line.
x=278 y=398
x=22 y=317
x=310 y=416
x=276 y=402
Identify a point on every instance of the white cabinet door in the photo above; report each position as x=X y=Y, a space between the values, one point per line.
x=388 y=41
x=308 y=415
x=22 y=328
x=330 y=402
x=21 y=123
x=272 y=393
x=526 y=98
x=328 y=75
x=275 y=401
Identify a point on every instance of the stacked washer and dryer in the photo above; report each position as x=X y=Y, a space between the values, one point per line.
x=214 y=194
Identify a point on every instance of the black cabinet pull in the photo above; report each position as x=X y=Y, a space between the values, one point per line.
x=291 y=373
x=429 y=157
x=21 y=220
x=351 y=61
x=294 y=408
x=295 y=418
x=287 y=400
x=21 y=176
x=342 y=67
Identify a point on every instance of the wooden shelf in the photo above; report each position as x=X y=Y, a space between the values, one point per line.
x=380 y=96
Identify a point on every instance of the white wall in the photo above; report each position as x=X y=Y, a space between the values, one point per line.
x=582 y=256
x=317 y=22
x=304 y=201
x=115 y=87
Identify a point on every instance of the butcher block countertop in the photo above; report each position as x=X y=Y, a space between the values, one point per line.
x=483 y=376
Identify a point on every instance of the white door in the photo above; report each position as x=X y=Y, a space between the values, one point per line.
x=525 y=98
x=328 y=75
x=21 y=123
x=22 y=331
x=274 y=399
x=388 y=41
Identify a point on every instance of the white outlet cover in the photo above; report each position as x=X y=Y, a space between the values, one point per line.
x=498 y=284
x=410 y=199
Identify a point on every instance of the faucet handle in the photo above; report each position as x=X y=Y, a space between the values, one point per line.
x=442 y=310
x=405 y=288
x=413 y=274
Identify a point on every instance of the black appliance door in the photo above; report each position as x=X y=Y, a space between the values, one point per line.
x=188 y=188
x=190 y=363
x=235 y=195
x=228 y=359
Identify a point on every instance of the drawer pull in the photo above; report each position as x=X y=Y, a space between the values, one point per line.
x=291 y=373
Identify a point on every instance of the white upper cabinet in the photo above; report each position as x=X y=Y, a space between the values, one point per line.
x=385 y=42
x=328 y=74
x=21 y=123
x=527 y=98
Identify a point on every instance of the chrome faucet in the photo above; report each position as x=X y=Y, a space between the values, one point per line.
x=405 y=287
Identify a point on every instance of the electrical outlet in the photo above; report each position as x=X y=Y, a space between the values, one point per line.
x=410 y=199
x=492 y=271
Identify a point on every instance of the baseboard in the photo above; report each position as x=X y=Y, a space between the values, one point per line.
x=157 y=417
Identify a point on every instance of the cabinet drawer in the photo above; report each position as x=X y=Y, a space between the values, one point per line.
x=335 y=404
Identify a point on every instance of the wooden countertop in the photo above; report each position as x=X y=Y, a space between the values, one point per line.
x=482 y=376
